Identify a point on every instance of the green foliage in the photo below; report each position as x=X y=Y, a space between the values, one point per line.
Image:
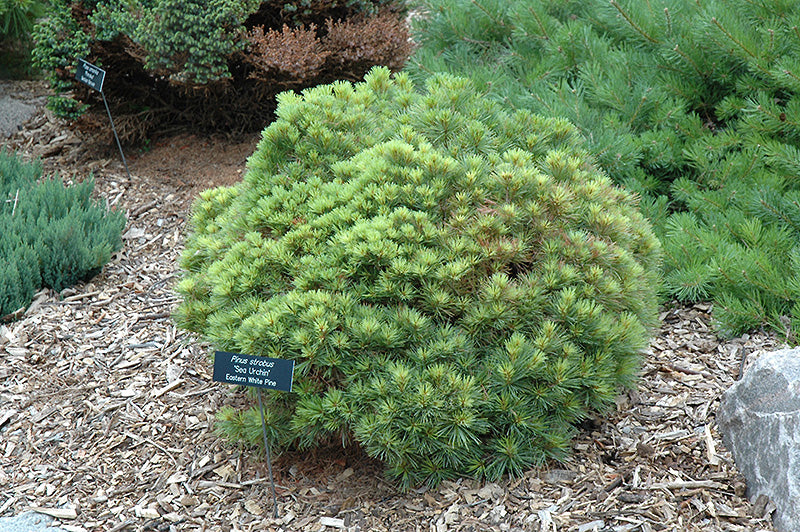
x=19 y=272
x=59 y=42
x=303 y=9
x=458 y=285
x=53 y=235
x=189 y=41
x=211 y=64
x=693 y=105
x=17 y=18
x=16 y=23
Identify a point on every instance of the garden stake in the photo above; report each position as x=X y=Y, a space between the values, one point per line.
x=261 y=372
x=94 y=76
x=116 y=137
x=269 y=459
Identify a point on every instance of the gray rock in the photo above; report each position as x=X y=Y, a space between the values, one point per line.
x=13 y=113
x=28 y=522
x=759 y=419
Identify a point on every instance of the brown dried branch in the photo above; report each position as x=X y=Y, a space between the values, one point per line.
x=368 y=41
x=294 y=53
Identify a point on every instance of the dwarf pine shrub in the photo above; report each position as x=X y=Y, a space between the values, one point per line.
x=693 y=105
x=458 y=285
x=211 y=65
x=52 y=235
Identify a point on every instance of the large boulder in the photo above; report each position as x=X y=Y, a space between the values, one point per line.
x=760 y=423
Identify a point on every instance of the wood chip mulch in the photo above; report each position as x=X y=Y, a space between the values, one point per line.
x=107 y=412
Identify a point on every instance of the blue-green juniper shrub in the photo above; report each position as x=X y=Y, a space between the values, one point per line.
x=52 y=235
x=458 y=285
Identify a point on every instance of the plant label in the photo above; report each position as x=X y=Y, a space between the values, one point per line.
x=94 y=76
x=250 y=370
x=90 y=75
x=261 y=372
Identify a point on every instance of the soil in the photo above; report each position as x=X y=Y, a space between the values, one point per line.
x=106 y=409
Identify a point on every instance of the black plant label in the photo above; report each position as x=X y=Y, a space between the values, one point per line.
x=90 y=75
x=250 y=370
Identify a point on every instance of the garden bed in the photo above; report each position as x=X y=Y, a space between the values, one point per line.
x=107 y=410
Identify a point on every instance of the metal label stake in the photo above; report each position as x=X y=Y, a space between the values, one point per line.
x=259 y=372
x=94 y=76
x=269 y=458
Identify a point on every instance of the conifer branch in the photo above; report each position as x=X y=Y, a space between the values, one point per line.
x=689 y=253
x=542 y=101
x=740 y=44
x=782 y=294
x=700 y=244
x=752 y=165
x=717 y=206
x=732 y=38
x=421 y=66
x=636 y=112
x=539 y=22
x=689 y=59
x=780 y=117
x=632 y=23
x=792 y=75
x=764 y=287
x=726 y=276
x=488 y=14
x=699 y=137
x=778 y=214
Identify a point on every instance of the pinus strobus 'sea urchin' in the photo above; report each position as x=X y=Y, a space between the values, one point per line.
x=458 y=285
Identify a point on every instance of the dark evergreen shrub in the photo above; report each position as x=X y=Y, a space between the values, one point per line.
x=53 y=235
x=693 y=105
x=213 y=65
x=458 y=285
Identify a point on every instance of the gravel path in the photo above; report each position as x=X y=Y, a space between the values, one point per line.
x=17 y=106
x=28 y=522
x=13 y=114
